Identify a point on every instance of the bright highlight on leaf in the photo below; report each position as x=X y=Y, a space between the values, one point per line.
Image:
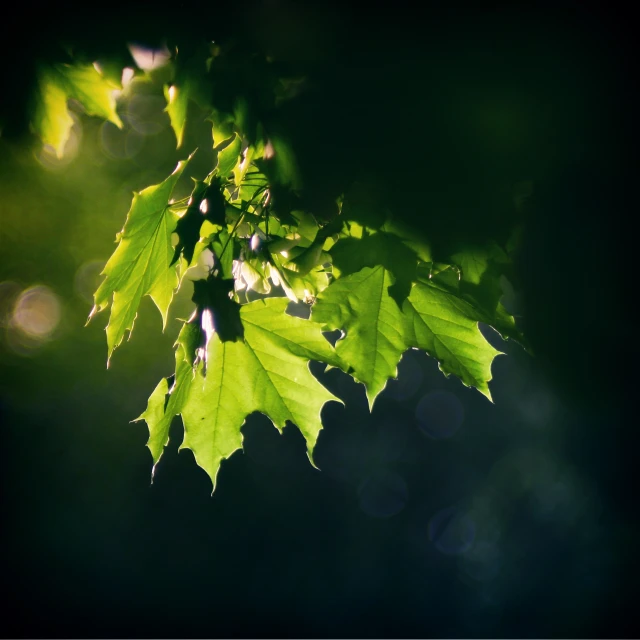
x=177 y=102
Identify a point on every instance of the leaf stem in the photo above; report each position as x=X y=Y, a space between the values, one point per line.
x=235 y=226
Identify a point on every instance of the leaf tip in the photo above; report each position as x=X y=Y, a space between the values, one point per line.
x=486 y=392
x=92 y=313
x=311 y=461
x=372 y=397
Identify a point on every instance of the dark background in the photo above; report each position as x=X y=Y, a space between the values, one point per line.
x=454 y=104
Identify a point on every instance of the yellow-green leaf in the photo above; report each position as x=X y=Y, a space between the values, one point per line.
x=268 y=372
x=141 y=264
x=377 y=331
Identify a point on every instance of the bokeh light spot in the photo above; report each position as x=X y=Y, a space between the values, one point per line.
x=127 y=77
x=147 y=58
x=37 y=312
x=146 y=114
x=120 y=144
x=88 y=279
x=47 y=156
x=439 y=414
x=452 y=531
x=383 y=495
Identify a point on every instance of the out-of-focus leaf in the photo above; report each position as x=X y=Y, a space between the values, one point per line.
x=177 y=97
x=52 y=121
x=94 y=92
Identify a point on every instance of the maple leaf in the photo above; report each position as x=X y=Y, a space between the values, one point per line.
x=351 y=254
x=268 y=371
x=377 y=331
x=167 y=401
x=142 y=263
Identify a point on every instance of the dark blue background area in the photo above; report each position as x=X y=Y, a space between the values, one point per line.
x=522 y=523
x=282 y=549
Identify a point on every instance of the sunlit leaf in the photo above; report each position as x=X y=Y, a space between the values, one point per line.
x=52 y=121
x=92 y=90
x=374 y=326
x=142 y=263
x=228 y=157
x=267 y=372
x=167 y=401
x=351 y=254
x=177 y=98
x=377 y=331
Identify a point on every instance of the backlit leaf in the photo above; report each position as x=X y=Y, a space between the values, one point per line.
x=142 y=263
x=267 y=372
x=377 y=331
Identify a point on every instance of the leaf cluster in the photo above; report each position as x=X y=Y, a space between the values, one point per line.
x=262 y=229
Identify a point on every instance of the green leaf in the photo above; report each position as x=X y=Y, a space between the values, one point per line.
x=240 y=169
x=306 y=227
x=225 y=249
x=267 y=372
x=350 y=255
x=411 y=236
x=446 y=327
x=189 y=224
x=177 y=97
x=52 y=121
x=375 y=328
x=477 y=280
x=378 y=331
x=167 y=402
x=253 y=274
x=94 y=92
x=228 y=157
x=281 y=165
x=189 y=85
x=309 y=258
x=480 y=271
x=222 y=128
x=142 y=263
